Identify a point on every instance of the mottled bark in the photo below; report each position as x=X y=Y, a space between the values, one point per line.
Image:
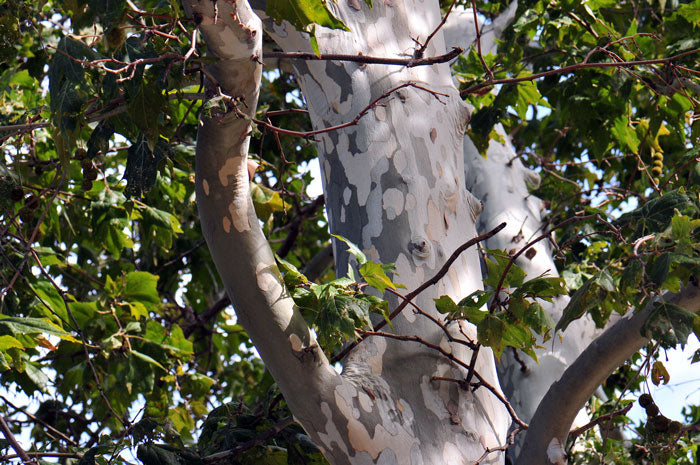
x=394 y=185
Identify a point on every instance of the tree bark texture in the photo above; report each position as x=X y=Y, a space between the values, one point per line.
x=394 y=185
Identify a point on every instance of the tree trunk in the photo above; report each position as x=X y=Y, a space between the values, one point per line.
x=394 y=185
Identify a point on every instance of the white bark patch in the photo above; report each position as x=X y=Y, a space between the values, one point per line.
x=226 y=224
x=431 y=397
x=392 y=202
x=238 y=209
x=452 y=455
x=347 y=195
x=205 y=187
x=445 y=345
x=400 y=162
x=410 y=202
x=348 y=392
x=268 y=279
x=361 y=440
x=556 y=453
x=332 y=434
x=356 y=178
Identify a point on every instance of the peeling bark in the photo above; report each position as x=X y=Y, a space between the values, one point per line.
x=394 y=185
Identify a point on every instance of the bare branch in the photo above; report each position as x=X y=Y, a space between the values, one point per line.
x=567 y=69
x=407 y=62
x=7 y=432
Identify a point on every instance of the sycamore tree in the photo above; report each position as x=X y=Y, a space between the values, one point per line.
x=510 y=234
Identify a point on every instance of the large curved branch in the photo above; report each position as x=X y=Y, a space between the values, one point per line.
x=550 y=425
x=233 y=34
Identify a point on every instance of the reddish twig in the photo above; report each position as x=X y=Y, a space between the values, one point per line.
x=488 y=71
x=437 y=277
x=477 y=87
x=451 y=357
x=418 y=55
x=367 y=59
x=575 y=432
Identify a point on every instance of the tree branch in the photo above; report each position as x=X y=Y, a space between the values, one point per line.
x=575 y=67
x=239 y=249
x=7 y=432
x=555 y=414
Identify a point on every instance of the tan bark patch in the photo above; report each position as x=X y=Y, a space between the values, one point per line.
x=436 y=224
x=296 y=343
x=380 y=113
x=205 y=188
x=227 y=224
x=238 y=209
x=360 y=439
x=229 y=169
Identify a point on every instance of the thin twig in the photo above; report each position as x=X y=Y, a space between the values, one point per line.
x=257 y=440
x=488 y=71
x=40 y=421
x=7 y=432
x=411 y=295
x=477 y=87
x=421 y=51
x=367 y=59
x=575 y=432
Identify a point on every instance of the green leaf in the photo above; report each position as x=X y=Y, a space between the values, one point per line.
x=542 y=288
x=266 y=201
x=147 y=359
x=669 y=324
x=141 y=286
x=291 y=275
x=590 y=295
x=625 y=134
x=659 y=269
x=496 y=262
x=302 y=14
x=655 y=215
x=375 y=275
x=27 y=325
x=353 y=250
x=445 y=304
x=680 y=227
x=9 y=342
x=142 y=165
x=490 y=331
